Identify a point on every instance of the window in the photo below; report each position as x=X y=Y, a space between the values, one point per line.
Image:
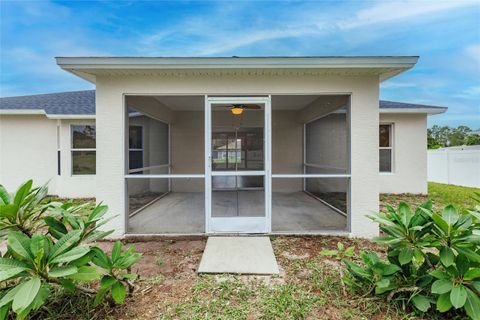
x=83 y=149
x=135 y=147
x=386 y=147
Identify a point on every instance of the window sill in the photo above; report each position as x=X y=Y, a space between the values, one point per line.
x=387 y=173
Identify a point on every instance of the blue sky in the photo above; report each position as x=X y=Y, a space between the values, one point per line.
x=445 y=34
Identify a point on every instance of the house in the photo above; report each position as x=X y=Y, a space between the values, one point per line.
x=280 y=145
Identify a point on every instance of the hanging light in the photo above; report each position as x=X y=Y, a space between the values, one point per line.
x=237 y=110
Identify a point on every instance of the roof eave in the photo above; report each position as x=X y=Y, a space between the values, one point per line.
x=81 y=66
x=429 y=111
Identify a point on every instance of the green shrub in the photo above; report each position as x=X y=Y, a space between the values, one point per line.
x=50 y=246
x=433 y=258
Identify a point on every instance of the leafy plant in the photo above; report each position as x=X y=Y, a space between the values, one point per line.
x=22 y=210
x=117 y=267
x=340 y=253
x=60 y=256
x=433 y=258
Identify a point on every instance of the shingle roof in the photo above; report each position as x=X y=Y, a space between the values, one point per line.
x=73 y=103
x=83 y=103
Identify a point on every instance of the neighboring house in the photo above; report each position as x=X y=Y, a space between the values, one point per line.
x=298 y=145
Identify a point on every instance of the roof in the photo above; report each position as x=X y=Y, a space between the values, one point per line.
x=383 y=66
x=82 y=104
x=55 y=105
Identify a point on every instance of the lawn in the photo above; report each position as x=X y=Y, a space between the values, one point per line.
x=441 y=195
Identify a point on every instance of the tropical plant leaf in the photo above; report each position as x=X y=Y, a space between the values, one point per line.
x=421 y=302
x=405 y=256
x=118 y=292
x=447 y=257
x=86 y=273
x=4 y=196
x=64 y=243
x=62 y=271
x=472 y=274
x=443 y=302
x=10 y=268
x=472 y=305
x=25 y=295
x=458 y=296
x=71 y=255
x=22 y=192
x=19 y=243
x=116 y=251
x=442 y=286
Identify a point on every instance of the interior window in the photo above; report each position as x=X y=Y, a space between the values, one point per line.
x=83 y=149
x=135 y=147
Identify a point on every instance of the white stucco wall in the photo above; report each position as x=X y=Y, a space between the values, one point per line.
x=364 y=131
x=28 y=150
x=409 y=154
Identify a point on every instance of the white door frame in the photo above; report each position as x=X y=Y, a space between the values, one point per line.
x=238 y=224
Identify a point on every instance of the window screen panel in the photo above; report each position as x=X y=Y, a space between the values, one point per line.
x=83 y=137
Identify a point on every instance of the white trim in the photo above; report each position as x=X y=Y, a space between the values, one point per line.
x=71 y=116
x=146 y=168
x=22 y=112
x=426 y=110
x=72 y=149
x=311 y=175
x=173 y=176
x=391 y=147
x=238 y=173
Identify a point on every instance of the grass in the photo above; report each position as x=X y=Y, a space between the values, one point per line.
x=441 y=195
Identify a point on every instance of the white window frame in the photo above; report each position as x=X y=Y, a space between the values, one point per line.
x=72 y=149
x=391 y=148
x=137 y=149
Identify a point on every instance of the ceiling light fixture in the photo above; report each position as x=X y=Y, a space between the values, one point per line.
x=237 y=110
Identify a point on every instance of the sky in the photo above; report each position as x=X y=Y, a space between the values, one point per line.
x=445 y=34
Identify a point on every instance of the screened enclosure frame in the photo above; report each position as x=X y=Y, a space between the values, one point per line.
x=269 y=176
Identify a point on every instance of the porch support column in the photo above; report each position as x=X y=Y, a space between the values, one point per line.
x=110 y=181
x=364 y=196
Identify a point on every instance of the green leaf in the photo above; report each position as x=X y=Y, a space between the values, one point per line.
x=4 y=312
x=62 y=271
x=101 y=259
x=97 y=212
x=86 y=273
x=55 y=224
x=22 y=192
x=10 y=268
x=25 y=295
x=107 y=282
x=472 y=305
x=443 y=302
x=442 y=286
x=349 y=251
x=131 y=276
x=405 y=213
x=458 y=296
x=37 y=244
x=4 y=196
x=421 y=302
x=64 y=243
x=328 y=253
x=440 y=222
x=116 y=251
x=118 y=292
x=340 y=246
x=390 y=269
x=71 y=255
x=462 y=264
x=472 y=274
x=405 y=256
x=446 y=256
x=19 y=244
x=9 y=211
x=450 y=215
x=99 y=297
x=41 y=297
x=8 y=297
x=439 y=274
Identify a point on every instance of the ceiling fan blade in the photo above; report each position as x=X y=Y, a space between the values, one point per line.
x=253 y=106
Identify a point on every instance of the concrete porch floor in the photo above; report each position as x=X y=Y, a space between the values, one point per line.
x=180 y=212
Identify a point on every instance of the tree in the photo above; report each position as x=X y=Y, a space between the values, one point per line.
x=472 y=139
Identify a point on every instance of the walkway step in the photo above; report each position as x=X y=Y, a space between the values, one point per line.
x=239 y=255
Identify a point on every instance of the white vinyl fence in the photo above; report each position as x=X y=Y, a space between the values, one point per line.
x=458 y=167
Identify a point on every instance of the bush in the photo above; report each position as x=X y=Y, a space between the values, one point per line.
x=51 y=246
x=433 y=258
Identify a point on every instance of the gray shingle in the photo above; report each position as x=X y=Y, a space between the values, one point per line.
x=74 y=102
x=83 y=103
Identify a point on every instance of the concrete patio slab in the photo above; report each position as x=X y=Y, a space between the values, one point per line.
x=239 y=255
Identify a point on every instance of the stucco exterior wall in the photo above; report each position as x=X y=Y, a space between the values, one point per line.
x=28 y=150
x=364 y=130
x=409 y=154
